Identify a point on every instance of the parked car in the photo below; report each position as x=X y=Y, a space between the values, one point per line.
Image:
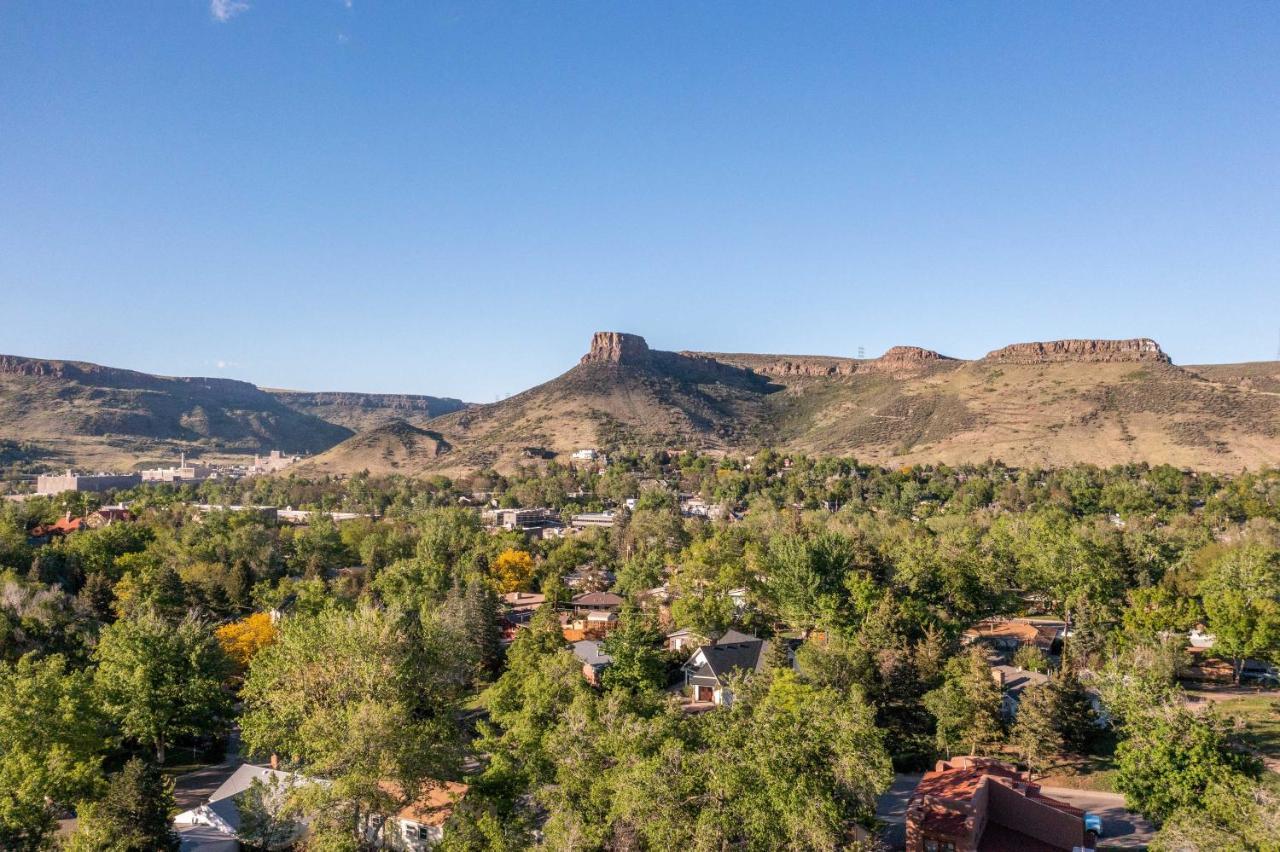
x=1093 y=822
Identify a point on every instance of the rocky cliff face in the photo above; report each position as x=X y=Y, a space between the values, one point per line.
x=786 y=367
x=1080 y=351
x=616 y=347
x=905 y=358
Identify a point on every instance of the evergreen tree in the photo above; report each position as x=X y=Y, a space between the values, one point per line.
x=134 y=815
x=1035 y=731
x=967 y=705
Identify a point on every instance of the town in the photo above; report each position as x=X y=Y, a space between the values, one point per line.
x=970 y=658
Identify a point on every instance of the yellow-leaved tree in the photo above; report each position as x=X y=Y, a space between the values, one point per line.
x=246 y=637
x=512 y=570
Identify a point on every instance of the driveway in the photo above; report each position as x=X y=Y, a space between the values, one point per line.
x=1120 y=829
x=194 y=788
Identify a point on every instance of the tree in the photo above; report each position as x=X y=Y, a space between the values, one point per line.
x=133 y=816
x=160 y=681
x=52 y=737
x=1031 y=658
x=1035 y=730
x=804 y=577
x=243 y=639
x=1170 y=760
x=638 y=664
x=967 y=705
x=266 y=820
x=359 y=698
x=512 y=570
x=1232 y=816
x=471 y=612
x=1242 y=600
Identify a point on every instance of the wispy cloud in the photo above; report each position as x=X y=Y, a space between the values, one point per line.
x=223 y=364
x=225 y=10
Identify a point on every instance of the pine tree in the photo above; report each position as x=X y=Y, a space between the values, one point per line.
x=132 y=817
x=1035 y=731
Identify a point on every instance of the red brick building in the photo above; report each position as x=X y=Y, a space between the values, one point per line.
x=974 y=804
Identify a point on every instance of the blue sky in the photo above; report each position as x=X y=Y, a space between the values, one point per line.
x=450 y=197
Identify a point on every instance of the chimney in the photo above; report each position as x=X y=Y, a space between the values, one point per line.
x=275 y=760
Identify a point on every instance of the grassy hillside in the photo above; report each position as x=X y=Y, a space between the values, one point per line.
x=1104 y=402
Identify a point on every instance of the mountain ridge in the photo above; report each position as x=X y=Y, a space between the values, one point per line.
x=1036 y=403
x=1048 y=403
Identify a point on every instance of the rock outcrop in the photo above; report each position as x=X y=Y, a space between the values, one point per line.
x=616 y=347
x=905 y=358
x=787 y=367
x=1138 y=349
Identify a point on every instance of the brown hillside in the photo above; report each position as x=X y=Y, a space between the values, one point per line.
x=1052 y=403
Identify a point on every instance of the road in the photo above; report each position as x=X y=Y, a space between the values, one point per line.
x=194 y=788
x=1120 y=829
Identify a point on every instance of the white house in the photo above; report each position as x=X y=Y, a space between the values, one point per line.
x=708 y=671
x=215 y=825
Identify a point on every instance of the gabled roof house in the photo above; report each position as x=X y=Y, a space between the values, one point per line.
x=708 y=671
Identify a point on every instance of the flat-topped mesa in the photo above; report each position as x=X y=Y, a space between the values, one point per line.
x=616 y=347
x=898 y=358
x=1083 y=351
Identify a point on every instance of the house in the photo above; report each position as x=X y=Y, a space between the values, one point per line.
x=210 y=827
x=420 y=826
x=108 y=515
x=683 y=638
x=519 y=607
x=708 y=672
x=1010 y=634
x=974 y=804
x=589 y=578
x=594 y=660
x=1200 y=637
x=1013 y=681
x=65 y=525
x=588 y=602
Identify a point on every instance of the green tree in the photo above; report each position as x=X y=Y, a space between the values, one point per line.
x=133 y=816
x=359 y=698
x=1170 y=760
x=1035 y=730
x=967 y=705
x=52 y=737
x=160 y=681
x=1242 y=600
x=638 y=663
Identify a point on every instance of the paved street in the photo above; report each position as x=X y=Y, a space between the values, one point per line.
x=1120 y=829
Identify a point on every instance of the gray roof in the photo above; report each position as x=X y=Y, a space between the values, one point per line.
x=205 y=838
x=734 y=651
x=1016 y=680
x=590 y=651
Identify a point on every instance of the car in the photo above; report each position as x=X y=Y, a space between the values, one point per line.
x=1093 y=822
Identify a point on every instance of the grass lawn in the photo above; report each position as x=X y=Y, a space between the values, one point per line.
x=1094 y=771
x=1258 y=721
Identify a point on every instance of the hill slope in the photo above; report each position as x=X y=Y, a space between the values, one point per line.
x=1060 y=402
x=360 y=412
x=393 y=447
x=90 y=416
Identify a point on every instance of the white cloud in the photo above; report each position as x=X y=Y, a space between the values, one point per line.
x=225 y=10
x=222 y=364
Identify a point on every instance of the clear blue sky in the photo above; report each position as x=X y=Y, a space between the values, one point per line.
x=450 y=197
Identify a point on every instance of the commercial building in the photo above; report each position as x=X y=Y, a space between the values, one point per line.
x=49 y=484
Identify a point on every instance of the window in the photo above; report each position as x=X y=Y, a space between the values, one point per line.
x=934 y=845
x=413 y=831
